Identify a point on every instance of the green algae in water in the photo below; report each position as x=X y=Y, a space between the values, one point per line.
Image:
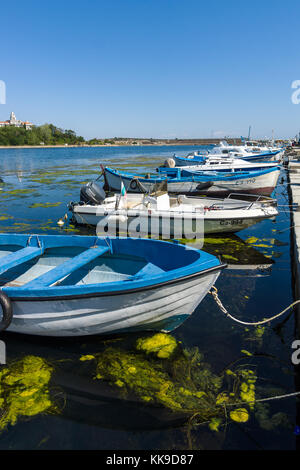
x=270 y=422
x=160 y=344
x=19 y=193
x=230 y=257
x=160 y=372
x=24 y=390
x=5 y=217
x=44 y=204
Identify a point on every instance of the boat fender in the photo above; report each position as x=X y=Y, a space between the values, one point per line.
x=170 y=163
x=7 y=312
x=133 y=184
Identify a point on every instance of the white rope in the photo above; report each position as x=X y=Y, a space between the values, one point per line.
x=276 y=397
x=214 y=293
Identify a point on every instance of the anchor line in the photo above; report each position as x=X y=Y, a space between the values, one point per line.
x=214 y=293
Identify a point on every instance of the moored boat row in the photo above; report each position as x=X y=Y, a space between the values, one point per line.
x=85 y=285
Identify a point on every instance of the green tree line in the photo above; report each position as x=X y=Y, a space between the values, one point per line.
x=47 y=134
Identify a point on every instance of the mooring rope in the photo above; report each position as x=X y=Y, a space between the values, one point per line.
x=276 y=397
x=214 y=293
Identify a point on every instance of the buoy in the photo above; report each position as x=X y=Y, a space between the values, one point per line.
x=62 y=219
x=169 y=163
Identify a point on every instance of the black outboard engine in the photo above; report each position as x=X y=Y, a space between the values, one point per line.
x=92 y=193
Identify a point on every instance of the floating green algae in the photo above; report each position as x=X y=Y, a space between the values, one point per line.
x=256 y=333
x=231 y=248
x=5 y=217
x=21 y=226
x=264 y=242
x=268 y=421
x=24 y=390
x=230 y=257
x=247 y=387
x=160 y=344
x=240 y=415
x=19 y=193
x=44 y=204
x=159 y=371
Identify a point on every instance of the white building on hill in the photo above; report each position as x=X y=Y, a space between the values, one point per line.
x=13 y=121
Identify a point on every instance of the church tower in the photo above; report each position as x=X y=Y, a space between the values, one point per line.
x=13 y=120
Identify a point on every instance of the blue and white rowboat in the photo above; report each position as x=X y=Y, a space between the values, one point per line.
x=83 y=285
x=182 y=181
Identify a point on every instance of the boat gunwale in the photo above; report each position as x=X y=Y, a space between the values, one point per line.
x=193 y=268
x=194 y=176
x=191 y=215
x=15 y=298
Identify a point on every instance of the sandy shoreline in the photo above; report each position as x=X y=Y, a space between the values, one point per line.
x=90 y=146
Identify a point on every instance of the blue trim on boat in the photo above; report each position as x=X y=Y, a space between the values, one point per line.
x=173 y=262
x=181 y=175
x=252 y=157
x=19 y=257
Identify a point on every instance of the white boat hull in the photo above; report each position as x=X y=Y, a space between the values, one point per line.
x=262 y=185
x=168 y=227
x=156 y=308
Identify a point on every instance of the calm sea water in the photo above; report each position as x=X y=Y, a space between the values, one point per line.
x=91 y=414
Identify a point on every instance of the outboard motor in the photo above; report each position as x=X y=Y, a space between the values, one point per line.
x=92 y=193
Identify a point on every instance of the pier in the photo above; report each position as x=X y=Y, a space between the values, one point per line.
x=293 y=166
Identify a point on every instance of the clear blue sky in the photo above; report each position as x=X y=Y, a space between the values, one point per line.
x=153 y=68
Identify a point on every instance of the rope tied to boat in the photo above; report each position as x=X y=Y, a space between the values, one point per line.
x=214 y=293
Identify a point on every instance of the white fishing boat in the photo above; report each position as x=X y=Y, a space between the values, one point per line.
x=60 y=285
x=245 y=152
x=217 y=163
x=252 y=146
x=162 y=215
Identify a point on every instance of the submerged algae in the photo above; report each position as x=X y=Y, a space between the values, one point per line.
x=161 y=372
x=44 y=204
x=160 y=344
x=24 y=390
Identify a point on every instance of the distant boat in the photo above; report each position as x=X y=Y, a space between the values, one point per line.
x=182 y=181
x=180 y=217
x=220 y=163
x=247 y=152
x=85 y=285
x=239 y=151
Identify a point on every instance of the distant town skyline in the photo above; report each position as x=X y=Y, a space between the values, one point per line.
x=170 y=69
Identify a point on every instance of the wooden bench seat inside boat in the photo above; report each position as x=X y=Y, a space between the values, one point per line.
x=19 y=257
x=59 y=272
